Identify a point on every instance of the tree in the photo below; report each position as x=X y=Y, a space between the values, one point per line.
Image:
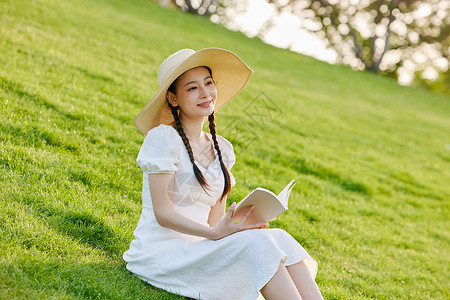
x=412 y=34
x=198 y=7
x=405 y=39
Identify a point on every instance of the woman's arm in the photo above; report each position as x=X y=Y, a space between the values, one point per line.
x=161 y=189
x=217 y=212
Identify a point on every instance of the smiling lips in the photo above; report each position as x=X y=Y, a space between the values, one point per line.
x=205 y=104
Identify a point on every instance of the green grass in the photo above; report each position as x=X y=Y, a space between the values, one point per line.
x=372 y=158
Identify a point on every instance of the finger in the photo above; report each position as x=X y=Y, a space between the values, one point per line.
x=232 y=207
x=256 y=226
x=230 y=210
x=264 y=225
x=247 y=214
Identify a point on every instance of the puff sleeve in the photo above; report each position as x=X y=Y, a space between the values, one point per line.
x=160 y=151
x=228 y=156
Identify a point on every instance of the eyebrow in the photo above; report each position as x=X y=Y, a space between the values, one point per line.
x=196 y=81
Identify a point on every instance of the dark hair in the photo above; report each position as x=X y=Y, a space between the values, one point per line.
x=212 y=129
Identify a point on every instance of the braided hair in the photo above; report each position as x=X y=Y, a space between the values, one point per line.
x=226 y=174
x=212 y=129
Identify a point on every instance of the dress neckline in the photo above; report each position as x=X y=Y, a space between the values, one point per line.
x=211 y=142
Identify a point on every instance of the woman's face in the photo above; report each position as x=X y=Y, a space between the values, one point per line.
x=196 y=93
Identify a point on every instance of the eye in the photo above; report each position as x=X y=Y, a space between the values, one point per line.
x=192 y=88
x=209 y=82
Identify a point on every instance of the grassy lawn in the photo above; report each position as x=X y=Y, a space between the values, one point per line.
x=372 y=158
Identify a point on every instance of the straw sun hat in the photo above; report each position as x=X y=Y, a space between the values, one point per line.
x=229 y=72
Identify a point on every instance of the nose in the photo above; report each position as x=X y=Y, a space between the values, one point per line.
x=204 y=93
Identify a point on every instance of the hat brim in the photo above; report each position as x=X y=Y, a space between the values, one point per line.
x=230 y=75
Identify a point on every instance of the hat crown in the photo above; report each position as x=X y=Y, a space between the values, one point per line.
x=231 y=74
x=170 y=63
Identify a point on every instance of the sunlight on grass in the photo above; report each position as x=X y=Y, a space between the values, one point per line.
x=371 y=158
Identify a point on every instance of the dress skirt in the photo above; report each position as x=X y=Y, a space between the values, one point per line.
x=235 y=267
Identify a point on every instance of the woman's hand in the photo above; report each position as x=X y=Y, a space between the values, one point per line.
x=252 y=217
x=227 y=226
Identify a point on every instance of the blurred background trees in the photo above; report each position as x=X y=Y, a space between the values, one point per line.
x=405 y=39
x=199 y=7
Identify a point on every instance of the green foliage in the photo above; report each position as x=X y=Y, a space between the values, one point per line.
x=371 y=158
x=440 y=85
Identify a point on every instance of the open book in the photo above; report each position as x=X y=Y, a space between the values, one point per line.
x=267 y=205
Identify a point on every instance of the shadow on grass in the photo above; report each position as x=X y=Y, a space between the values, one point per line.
x=406 y=183
x=58 y=278
x=88 y=230
x=81 y=226
x=33 y=135
x=95 y=76
x=314 y=168
x=19 y=91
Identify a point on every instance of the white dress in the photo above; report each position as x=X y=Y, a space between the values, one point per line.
x=235 y=267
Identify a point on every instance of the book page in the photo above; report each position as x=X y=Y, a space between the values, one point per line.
x=267 y=205
x=283 y=196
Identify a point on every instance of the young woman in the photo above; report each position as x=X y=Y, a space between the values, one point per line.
x=185 y=241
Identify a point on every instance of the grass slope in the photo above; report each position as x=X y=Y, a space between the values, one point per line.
x=371 y=157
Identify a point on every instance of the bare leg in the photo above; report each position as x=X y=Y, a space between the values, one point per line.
x=280 y=286
x=304 y=282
